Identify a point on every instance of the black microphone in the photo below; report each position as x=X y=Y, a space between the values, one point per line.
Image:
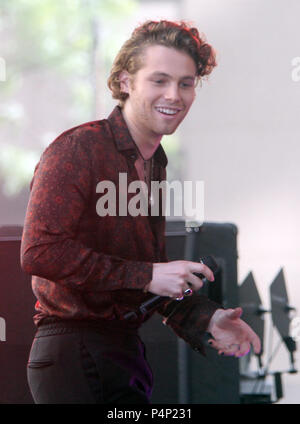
x=157 y=300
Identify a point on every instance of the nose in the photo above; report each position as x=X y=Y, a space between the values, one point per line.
x=172 y=93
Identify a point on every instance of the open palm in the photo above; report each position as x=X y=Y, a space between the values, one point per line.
x=231 y=335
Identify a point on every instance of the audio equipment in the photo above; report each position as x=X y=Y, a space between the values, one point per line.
x=16 y=312
x=180 y=374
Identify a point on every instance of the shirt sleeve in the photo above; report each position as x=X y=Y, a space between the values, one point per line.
x=189 y=318
x=60 y=193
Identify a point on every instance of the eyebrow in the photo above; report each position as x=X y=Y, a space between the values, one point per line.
x=163 y=74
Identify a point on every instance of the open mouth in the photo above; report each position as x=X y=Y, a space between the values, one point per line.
x=168 y=111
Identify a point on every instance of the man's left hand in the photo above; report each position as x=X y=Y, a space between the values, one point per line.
x=231 y=335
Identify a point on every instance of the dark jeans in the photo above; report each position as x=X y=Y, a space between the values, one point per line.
x=81 y=365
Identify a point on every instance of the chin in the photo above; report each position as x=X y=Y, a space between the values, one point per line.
x=169 y=131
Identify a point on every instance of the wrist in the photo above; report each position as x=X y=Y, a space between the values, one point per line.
x=213 y=319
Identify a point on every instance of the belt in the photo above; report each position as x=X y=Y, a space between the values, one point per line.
x=104 y=327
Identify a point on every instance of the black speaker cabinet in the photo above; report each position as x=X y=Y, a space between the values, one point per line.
x=16 y=324
x=180 y=374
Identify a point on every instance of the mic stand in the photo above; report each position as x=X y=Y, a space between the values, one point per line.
x=291 y=347
x=183 y=371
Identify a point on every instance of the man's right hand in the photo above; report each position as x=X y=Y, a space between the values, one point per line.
x=171 y=279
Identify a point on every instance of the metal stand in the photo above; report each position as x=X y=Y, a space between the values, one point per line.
x=183 y=371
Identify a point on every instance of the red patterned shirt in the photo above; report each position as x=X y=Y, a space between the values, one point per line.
x=85 y=266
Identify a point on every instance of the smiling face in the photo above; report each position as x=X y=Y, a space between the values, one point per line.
x=161 y=92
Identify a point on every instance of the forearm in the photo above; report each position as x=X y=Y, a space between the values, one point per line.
x=190 y=318
x=70 y=263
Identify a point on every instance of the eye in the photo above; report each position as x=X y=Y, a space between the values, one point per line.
x=159 y=82
x=187 y=85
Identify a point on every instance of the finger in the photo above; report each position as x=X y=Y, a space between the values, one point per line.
x=226 y=352
x=185 y=291
x=194 y=281
x=214 y=344
x=235 y=313
x=232 y=350
x=255 y=341
x=199 y=268
x=243 y=350
x=226 y=349
x=217 y=346
x=188 y=292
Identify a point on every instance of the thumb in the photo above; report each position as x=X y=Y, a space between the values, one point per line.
x=235 y=313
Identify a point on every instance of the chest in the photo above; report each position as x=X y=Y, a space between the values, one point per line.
x=144 y=170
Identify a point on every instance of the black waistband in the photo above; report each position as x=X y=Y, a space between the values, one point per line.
x=53 y=326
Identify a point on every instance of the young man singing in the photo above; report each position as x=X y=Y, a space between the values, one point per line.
x=90 y=268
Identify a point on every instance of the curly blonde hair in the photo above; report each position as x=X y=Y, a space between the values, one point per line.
x=178 y=35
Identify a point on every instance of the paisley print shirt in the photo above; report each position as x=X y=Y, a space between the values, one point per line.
x=86 y=266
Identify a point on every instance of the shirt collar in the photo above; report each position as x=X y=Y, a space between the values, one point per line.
x=123 y=138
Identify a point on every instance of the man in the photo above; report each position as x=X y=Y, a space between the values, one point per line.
x=90 y=268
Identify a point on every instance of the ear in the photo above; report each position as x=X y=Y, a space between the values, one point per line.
x=124 y=79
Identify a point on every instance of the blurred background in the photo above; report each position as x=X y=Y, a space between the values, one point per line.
x=241 y=137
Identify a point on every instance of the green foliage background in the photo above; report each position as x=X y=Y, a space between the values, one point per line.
x=65 y=38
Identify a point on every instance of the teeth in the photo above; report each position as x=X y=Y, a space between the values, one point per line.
x=167 y=111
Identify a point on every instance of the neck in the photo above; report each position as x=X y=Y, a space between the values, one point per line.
x=147 y=143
